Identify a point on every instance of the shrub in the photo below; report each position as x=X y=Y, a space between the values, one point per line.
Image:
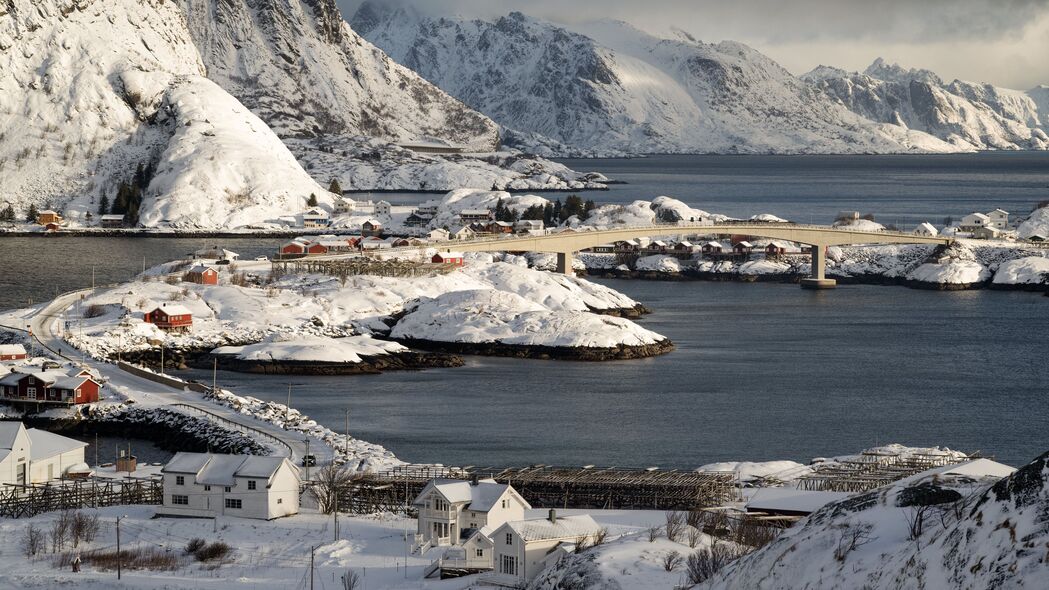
x=94 y=310
x=33 y=540
x=653 y=532
x=675 y=524
x=172 y=280
x=704 y=563
x=84 y=528
x=194 y=545
x=672 y=560
x=600 y=536
x=212 y=551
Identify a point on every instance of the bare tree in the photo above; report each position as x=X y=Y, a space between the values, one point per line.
x=692 y=536
x=84 y=527
x=852 y=537
x=915 y=516
x=675 y=524
x=60 y=531
x=672 y=560
x=653 y=532
x=704 y=563
x=351 y=580
x=332 y=482
x=33 y=540
x=599 y=537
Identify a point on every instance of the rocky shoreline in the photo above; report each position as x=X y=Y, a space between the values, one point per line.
x=401 y=361
x=869 y=279
x=525 y=351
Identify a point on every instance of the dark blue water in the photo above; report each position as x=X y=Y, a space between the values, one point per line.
x=761 y=371
x=902 y=190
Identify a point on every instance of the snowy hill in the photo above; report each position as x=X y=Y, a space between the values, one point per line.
x=609 y=86
x=952 y=527
x=965 y=114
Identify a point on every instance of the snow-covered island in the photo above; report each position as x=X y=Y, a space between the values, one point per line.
x=261 y=321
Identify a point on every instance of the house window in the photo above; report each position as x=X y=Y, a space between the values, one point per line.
x=228 y=489
x=251 y=484
x=31 y=391
x=509 y=539
x=207 y=488
x=180 y=480
x=480 y=553
x=180 y=500
x=280 y=500
x=508 y=565
x=505 y=503
x=234 y=503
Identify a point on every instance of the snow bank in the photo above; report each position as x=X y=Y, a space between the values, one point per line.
x=314 y=348
x=747 y=471
x=1033 y=270
x=1035 y=226
x=658 y=263
x=955 y=272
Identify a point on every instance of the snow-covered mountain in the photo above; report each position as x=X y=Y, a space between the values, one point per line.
x=608 y=85
x=965 y=114
x=205 y=97
x=89 y=91
x=303 y=70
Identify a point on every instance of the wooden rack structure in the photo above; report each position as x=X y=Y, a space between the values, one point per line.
x=555 y=487
x=18 y=500
x=874 y=469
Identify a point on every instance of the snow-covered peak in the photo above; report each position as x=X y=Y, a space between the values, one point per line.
x=894 y=72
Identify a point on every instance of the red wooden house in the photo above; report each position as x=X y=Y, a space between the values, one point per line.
x=316 y=248
x=453 y=258
x=295 y=247
x=49 y=387
x=12 y=352
x=170 y=317
x=203 y=275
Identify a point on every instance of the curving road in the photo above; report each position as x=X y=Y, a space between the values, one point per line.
x=46 y=329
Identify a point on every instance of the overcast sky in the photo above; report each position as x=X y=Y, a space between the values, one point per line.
x=1004 y=42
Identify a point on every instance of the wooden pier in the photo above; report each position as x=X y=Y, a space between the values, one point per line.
x=555 y=487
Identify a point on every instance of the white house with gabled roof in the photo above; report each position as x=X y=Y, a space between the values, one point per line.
x=926 y=229
x=206 y=485
x=450 y=510
x=37 y=456
x=520 y=548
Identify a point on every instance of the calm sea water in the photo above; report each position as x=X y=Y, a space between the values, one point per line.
x=902 y=190
x=761 y=371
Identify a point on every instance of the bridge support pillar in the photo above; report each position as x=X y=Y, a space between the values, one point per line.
x=564 y=263
x=818 y=279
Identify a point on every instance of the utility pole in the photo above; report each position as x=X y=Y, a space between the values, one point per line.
x=312 y=550
x=346 y=446
x=336 y=513
x=287 y=408
x=96 y=450
x=118 y=544
x=214 y=375
x=92 y=277
x=306 y=459
x=161 y=359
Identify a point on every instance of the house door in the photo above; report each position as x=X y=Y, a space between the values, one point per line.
x=20 y=474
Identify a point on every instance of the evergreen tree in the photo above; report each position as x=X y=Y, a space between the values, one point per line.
x=548 y=214
x=557 y=217
x=534 y=212
x=312 y=201
x=334 y=187
x=8 y=214
x=140 y=177
x=31 y=214
x=573 y=206
x=103 y=205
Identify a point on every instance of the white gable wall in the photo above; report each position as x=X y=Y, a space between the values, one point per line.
x=55 y=466
x=17 y=461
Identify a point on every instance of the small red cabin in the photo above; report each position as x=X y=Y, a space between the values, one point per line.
x=293 y=247
x=49 y=387
x=203 y=275
x=316 y=248
x=774 y=249
x=454 y=258
x=12 y=352
x=170 y=317
x=712 y=248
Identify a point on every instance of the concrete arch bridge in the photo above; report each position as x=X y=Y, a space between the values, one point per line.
x=566 y=243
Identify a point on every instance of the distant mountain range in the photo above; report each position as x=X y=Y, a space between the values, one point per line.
x=610 y=86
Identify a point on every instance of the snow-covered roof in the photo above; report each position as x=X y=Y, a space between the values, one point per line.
x=8 y=432
x=563 y=527
x=374 y=222
x=791 y=500
x=450 y=254
x=20 y=373
x=745 y=244
x=70 y=383
x=173 y=309
x=315 y=213
x=202 y=268
x=112 y=218
x=480 y=497
x=48 y=212
x=11 y=349
x=44 y=444
x=713 y=244
x=981 y=468
x=999 y=211
x=977 y=216
x=475 y=212
x=216 y=469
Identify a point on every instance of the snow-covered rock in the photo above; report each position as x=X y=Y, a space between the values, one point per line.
x=955 y=272
x=859 y=225
x=1035 y=226
x=961 y=526
x=314 y=349
x=658 y=263
x=1032 y=270
x=487 y=316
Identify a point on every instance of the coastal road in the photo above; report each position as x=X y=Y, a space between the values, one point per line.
x=46 y=327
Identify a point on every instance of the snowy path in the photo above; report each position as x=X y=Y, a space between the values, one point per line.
x=46 y=330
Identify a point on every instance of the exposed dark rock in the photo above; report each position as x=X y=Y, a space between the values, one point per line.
x=563 y=353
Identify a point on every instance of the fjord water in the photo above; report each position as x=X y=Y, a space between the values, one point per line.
x=761 y=371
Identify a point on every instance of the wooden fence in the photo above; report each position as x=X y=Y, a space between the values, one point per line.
x=21 y=501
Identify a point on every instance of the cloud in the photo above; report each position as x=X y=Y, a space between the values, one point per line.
x=958 y=38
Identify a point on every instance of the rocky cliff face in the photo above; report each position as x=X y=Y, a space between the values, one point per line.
x=609 y=86
x=964 y=114
x=305 y=72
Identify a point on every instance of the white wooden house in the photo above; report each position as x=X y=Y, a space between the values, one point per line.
x=37 y=456
x=344 y=205
x=439 y=235
x=382 y=208
x=450 y=511
x=998 y=219
x=520 y=548
x=464 y=233
x=206 y=485
x=315 y=218
x=926 y=229
x=973 y=221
